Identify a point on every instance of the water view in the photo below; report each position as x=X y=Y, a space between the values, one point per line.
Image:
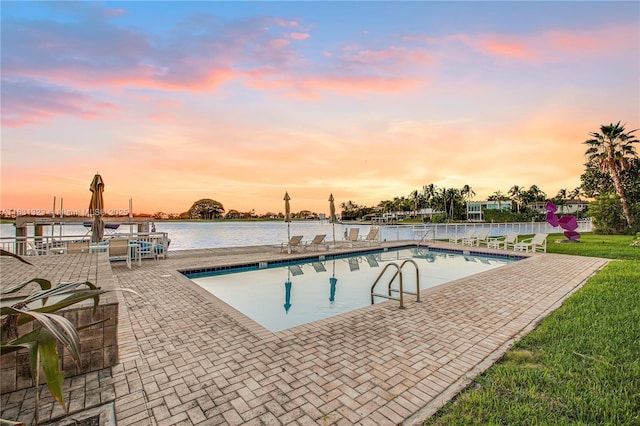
x=195 y=235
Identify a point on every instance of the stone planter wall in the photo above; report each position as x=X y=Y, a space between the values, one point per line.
x=98 y=343
x=98 y=348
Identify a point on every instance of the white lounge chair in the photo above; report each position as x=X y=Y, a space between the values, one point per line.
x=537 y=243
x=506 y=242
x=119 y=249
x=475 y=240
x=372 y=236
x=458 y=239
x=149 y=249
x=295 y=243
x=318 y=241
x=352 y=236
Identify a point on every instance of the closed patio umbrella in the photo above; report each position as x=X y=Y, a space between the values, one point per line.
x=287 y=213
x=96 y=208
x=332 y=215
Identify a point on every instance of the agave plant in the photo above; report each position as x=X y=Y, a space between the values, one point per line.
x=41 y=306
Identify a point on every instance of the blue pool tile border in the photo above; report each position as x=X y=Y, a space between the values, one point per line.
x=254 y=266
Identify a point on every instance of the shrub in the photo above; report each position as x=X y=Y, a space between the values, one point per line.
x=607 y=214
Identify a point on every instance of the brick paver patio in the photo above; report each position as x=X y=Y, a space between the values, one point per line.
x=186 y=358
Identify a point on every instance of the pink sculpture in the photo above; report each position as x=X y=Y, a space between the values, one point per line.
x=568 y=223
x=552 y=219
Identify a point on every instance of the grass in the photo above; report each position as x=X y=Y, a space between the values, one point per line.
x=581 y=365
x=607 y=246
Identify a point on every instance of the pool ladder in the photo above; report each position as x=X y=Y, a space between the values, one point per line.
x=426 y=235
x=390 y=290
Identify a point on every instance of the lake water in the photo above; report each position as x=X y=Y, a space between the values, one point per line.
x=194 y=235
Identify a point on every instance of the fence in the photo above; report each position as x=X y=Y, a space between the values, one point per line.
x=444 y=231
x=40 y=245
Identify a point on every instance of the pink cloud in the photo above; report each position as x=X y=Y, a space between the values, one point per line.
x=112 y=56
x=553 y=46
x=498 y=45
x=311 y=87
x=27 y=102
x=354 y=70
x=392 y=55
x=286 y=24
x=92 y=53
x=506 y=48
x=278 y=43
x=299 y=36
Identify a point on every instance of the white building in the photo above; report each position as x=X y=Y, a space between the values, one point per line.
x=570 y=207
x=475 y=208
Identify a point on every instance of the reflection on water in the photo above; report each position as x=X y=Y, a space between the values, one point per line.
x=323 y=288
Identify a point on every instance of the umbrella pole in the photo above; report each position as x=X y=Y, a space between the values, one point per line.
x=96 y=281
x=61 y=217
x=334 y=232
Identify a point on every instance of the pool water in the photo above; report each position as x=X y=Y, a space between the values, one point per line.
x=289 y=294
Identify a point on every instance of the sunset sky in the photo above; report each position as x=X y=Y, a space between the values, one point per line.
x=172 y=102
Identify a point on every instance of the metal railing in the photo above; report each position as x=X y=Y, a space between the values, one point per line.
x=43 y=245
x=401 y=292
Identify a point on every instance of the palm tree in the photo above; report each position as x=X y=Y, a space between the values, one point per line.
x=429 y=192
x=452 y=195
x=533 y=195
x=516 y=193
x=611 y=151
x=497 y=196
x=561 y=198
x=467 y=193
x=386 y=205
x=576 y=193
x=415 y=197
x=440 y=200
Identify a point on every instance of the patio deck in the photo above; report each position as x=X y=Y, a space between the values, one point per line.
x=187 y=358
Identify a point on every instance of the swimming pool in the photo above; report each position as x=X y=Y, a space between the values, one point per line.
x=284 y=294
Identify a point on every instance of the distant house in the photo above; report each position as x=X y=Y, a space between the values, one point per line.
x=569 y=206
x=400 y=215
x=475 y=208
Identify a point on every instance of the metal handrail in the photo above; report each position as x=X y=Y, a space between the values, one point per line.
x=426 y=233
x=388 y=296
x=417 y=293
x=401 y=291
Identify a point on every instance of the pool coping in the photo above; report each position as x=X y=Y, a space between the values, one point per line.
x=288 y=260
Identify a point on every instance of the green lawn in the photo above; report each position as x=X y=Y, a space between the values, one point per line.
x=580 y=366
x=607 y=246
